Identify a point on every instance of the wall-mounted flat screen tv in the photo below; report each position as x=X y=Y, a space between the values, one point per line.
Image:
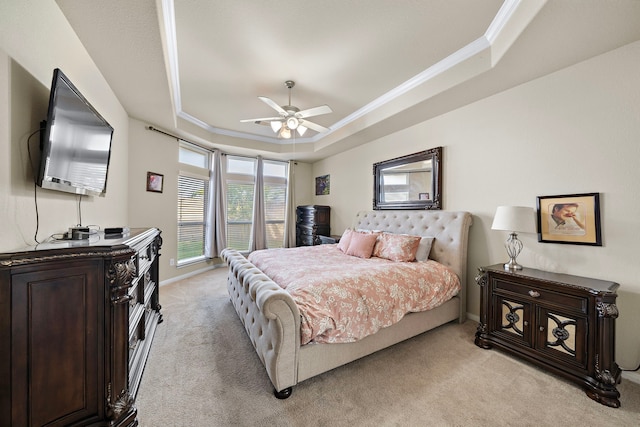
x=76 y=142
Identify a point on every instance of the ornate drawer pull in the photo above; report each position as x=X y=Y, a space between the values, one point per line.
x=534 y=294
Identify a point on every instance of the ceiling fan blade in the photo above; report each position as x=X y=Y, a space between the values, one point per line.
x=315 y=111
x=313 y=126
x=269 y=119
x=271 y=103
x=262 y=123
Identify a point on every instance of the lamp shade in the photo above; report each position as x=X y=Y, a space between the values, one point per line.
x=515 y=219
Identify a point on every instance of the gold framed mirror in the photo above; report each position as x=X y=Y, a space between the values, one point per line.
x=413 y=181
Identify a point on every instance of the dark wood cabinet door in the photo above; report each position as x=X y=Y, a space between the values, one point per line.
x=562 y=336
x=57 y=345
x=512 y=319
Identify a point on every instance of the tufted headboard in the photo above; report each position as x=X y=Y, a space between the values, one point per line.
x=450 y=229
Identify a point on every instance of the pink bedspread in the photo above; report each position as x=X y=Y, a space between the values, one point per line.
x=343 y=298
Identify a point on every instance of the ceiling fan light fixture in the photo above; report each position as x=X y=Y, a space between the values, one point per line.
x=285 y=133
x=276 y=125
x=292 y=123
x=291 y=117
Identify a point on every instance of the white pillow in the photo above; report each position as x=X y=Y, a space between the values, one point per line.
x=424 y=248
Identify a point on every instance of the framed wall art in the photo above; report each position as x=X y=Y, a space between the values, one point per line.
x=155 y=182
x=322 y=185
x=572 y=218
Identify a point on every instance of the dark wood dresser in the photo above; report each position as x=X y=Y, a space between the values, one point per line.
x=76 y=323
x=560 y=322
x=312 y=221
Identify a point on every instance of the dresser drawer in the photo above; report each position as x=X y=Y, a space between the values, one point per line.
x=306 y=230
x=540 y=295
x=305 y=240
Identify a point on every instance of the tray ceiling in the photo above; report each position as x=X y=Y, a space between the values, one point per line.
x=196 y=68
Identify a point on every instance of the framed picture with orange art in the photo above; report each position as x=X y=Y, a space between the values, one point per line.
x=572 y=218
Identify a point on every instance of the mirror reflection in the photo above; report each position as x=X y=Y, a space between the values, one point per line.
x=408 y=182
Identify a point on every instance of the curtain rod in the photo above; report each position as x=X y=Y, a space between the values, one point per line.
x=180 y=138
x=208 y=148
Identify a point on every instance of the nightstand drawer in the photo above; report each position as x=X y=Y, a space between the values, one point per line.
x=541 y=295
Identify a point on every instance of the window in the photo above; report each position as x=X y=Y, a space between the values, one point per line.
x=193 y=194
x=240 y=191
x=396 y=187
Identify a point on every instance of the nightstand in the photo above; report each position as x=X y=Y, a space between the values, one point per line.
x=562 y=323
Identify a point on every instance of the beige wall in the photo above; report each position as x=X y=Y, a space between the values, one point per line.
x=575 y=131
x=35 y=38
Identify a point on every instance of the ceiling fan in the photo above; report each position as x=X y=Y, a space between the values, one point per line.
x=291 y=118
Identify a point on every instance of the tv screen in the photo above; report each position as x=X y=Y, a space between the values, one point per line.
x=76 y=145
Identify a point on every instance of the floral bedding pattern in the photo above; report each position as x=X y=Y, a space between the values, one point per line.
x=344 y=298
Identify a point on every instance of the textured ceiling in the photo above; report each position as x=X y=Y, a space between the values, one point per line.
x=195 y=68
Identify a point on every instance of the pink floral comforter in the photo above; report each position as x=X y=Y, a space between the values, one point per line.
x=343 y=298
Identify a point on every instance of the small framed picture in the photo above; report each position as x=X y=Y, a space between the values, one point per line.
x=155 y=182
x=423 y=196
x=323 y=185
x=573 y=219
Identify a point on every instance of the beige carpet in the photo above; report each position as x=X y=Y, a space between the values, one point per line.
x=203 y=371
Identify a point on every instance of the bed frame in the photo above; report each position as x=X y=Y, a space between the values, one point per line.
x=272 y=320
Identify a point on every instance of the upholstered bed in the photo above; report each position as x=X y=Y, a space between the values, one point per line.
x=273 y=320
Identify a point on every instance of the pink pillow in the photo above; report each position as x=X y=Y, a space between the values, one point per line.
x=361 y=244
x=343 y=244
x=397 y=247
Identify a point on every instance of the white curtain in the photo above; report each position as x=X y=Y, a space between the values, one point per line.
x=216 y=236
x=259 y=229
x=289 y=240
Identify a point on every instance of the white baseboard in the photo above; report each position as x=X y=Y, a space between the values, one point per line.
x=187 y=275
x=633 y=376
x=473 y=317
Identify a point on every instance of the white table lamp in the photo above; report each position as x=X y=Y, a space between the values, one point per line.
x=515 y=219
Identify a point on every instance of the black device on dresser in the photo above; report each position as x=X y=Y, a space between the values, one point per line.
x=312 y=221
x=77 y=319
x=560 y=322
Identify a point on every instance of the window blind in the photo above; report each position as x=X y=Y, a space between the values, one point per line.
x=192 y=202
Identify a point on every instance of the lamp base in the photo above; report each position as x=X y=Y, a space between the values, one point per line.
x=513 y=247
x=512 y=265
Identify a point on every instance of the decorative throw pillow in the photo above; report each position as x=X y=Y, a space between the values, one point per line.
x=366 y=231
x=361 y=244
x=343 y=244
x=424 y=248
x=397 y=247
